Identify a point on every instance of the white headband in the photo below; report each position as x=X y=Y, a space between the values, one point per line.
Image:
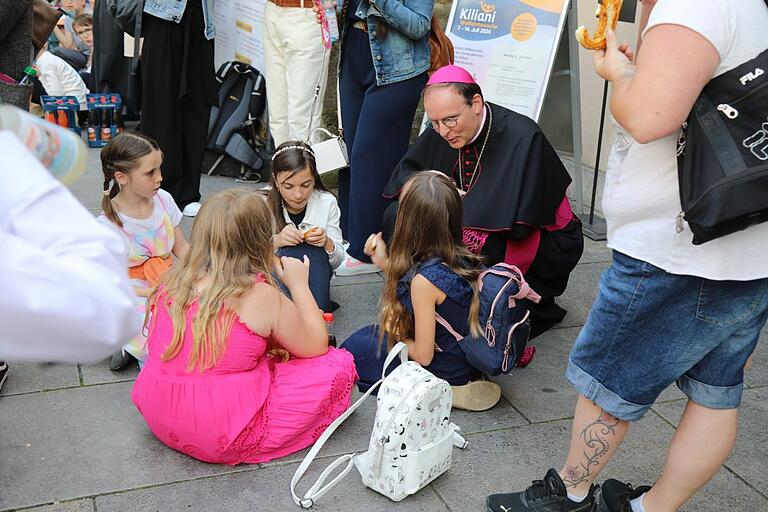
x=286 y=148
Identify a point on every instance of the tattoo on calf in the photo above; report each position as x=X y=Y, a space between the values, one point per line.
x=597 y=437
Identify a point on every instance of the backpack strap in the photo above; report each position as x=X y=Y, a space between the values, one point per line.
x=318 y=489
x=512 y=272
x=442 y=321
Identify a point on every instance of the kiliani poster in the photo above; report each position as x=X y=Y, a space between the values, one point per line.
x=509 y=47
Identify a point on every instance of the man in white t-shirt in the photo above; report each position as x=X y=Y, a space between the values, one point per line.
x=667 y=311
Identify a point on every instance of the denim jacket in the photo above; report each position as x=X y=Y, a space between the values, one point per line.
x=173 y=10
x=404 y=52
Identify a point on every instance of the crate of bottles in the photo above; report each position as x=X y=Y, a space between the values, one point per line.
x=62 y=111
x=105 y=118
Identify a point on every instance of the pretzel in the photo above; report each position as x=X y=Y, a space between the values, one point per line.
x=309 y=232
x=607 y=16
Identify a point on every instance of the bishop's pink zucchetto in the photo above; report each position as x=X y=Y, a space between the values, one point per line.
x=450 y=75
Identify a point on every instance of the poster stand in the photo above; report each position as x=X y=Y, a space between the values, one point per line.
x=593 y=226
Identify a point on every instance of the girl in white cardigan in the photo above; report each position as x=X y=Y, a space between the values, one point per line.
x=306 y=216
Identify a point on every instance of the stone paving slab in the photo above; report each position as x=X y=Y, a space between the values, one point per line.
x=581 y=293
x=355 y=433
x=99 y=373
x=508 y=460
x=751 y=450
x=540 y=391
x=85 y=505
x=359 y=307
x=73 y=443
x=376 y=277
x=595 y=252
x=32 y=377
x=264 y=489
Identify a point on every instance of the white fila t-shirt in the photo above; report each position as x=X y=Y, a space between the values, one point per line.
x=641 y=201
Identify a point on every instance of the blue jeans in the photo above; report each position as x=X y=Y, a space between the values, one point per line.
x=319 y=271
x=648 y=329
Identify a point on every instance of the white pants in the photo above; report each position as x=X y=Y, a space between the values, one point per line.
x=293 y=63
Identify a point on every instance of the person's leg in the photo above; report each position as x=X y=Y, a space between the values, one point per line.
x=161 y=115
x=640 y=310
x=275 y=71
x=369 y=354
x=305 y=58
x=356 y=50
x=194 y=131
x=595 y=436
x=388 y=221
x=688 y=467
x=387 y=115
x=199 y=92
x=319 y=271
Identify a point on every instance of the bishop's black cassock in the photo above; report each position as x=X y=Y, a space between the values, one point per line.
x=515 y=207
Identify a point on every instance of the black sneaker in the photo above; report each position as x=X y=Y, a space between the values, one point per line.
x=3 y=373
x=120 y=361
x=548 y=495
x=615 y=496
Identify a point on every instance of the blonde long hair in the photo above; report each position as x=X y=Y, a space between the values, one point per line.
x=230 y=244
x=428 y=225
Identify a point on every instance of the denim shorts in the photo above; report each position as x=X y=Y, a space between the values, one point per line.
x=648 y=329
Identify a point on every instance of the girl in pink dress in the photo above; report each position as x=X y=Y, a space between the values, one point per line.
x=237 y=372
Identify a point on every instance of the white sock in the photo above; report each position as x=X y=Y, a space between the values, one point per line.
x=637 y=504
x=578 y=499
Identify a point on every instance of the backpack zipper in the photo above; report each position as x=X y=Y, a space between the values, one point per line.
x=383 y=439
x=490 y=332
x=730 y=112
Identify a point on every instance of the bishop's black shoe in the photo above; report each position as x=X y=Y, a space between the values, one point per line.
x=615 y=496
x=548 y=495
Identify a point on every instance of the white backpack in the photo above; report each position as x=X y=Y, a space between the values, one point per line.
x=412 y=439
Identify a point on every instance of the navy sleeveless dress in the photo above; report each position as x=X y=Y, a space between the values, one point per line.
x=448 y=362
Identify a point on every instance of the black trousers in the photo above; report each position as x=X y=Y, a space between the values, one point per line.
x=179 y=87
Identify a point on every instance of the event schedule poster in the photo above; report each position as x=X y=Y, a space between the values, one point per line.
x=238 y=31
x=509 y=47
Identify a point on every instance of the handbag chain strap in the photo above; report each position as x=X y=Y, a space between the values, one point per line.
x=324 y=70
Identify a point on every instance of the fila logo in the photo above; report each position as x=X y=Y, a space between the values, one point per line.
x=751 y=76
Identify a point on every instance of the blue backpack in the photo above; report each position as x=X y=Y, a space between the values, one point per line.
x=504 y=320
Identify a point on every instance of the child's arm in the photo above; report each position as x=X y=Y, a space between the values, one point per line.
x=180 y=244
x=298 y=324
x=424 y=296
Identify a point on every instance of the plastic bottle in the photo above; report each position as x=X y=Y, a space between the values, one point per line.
x=29 y=74
x=328 y=317
x=60 y=150
x=62 y=118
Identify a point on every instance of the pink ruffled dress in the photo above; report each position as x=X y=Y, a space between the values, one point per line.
x=248 y=408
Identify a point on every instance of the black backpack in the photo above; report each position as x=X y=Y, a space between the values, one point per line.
x=723 y=154
x=241 y=103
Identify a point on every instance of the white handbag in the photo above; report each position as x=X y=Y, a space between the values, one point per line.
x=331 y=153
x=412 y=440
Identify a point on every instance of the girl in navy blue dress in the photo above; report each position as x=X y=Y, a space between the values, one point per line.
x=428 y=271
